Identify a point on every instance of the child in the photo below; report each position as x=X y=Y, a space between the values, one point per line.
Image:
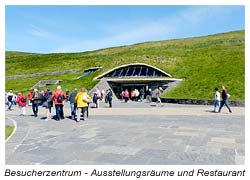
x=217 y=99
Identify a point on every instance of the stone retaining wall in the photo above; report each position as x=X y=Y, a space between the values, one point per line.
x=240 y=103
x=71 y=71
x=43 y=83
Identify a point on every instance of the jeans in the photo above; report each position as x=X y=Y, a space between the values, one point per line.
x=226 y=102
x=59 y=111
x=35 y=109
x=110 y=103
x=10 y=103
x=216 y=103
x=141 y=97
x=126 y=99
x=73 y=110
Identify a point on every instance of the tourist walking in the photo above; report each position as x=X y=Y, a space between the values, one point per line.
x=48 y=103
x=82 y=99
x=126 y=95
x=158 y=93
x=142 y=93
x=225 y=101
x=21 y=101
x=109 y=97
x=122 y=95
x=217 y=99
x=102 y=95
x=96 y=100
x=35 y=100
x=73 y=104
x=10 y=99
x=149 y=95
x=58 y=97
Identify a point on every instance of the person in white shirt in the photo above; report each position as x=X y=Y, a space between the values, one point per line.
x=217 y=99
x=158 y=93
x=10 y=97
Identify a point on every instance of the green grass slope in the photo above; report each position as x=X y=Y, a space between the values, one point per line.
x=203 y=63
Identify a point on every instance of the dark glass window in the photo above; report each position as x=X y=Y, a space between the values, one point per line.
x=130 y=72
x=86 y=73
x=157 y=73
x=124 y=72
x=143 y=71
x=150 y=72
x=137 y=71
x=116 y=73
x=133 y=71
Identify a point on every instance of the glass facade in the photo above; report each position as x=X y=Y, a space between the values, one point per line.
x=133 y=71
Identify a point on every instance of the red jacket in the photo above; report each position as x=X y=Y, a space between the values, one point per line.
x=55 y=96
x=30 y=95
x=19 y=100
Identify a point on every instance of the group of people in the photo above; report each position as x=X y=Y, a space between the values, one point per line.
x=100 y=96
x=217 y=103
x=136 y=95
x=79 y=102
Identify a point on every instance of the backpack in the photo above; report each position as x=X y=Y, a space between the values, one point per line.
x=10 y=98
x=95 y=97
x=49 y=99
x=60 y=98
x=109 y=96
x=23 y=99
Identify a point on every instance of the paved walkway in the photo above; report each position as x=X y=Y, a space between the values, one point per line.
x=132 y=133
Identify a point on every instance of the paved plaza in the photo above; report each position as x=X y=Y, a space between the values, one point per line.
x=134 y=133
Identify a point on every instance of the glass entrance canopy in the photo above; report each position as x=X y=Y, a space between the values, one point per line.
x=134 y=70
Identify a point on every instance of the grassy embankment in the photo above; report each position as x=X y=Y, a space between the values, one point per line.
x=8 y=131
x=203 y=63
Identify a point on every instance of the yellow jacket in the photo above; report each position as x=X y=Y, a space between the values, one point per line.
x=79 y=99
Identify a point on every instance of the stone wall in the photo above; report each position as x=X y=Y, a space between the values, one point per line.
x=240 y=103
x=43 y=83
x=71 y=71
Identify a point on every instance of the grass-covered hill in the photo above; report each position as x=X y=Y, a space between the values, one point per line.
x=203 y=63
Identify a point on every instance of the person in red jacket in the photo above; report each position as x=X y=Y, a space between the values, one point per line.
x=58 y=97
x=21 y=101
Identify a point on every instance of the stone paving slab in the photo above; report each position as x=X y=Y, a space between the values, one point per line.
x=138 y=135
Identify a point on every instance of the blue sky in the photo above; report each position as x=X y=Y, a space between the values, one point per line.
x=47 y=29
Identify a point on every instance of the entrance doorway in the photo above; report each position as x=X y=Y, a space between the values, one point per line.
x=118 y=87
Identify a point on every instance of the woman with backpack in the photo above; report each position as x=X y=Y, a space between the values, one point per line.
x=58 y=97
x=21 y=101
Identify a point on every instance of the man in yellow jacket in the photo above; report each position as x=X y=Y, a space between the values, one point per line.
x=82 y=99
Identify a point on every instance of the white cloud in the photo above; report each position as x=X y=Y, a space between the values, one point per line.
x=39 y=32
x=190 y=19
